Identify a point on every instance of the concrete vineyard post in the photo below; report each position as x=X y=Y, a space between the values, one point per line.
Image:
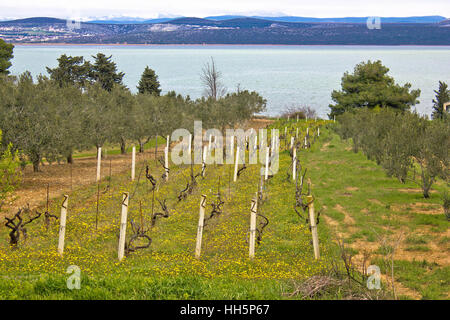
x=190 y=145
x=296 y=134
x=292 y=142
x=166 y=162
x=133 y=163
x=99 y=161
x=266 y=172
x=236 y=164
x=62 y=224
x=312 y=219
x=294 y=164
x=253 y=211
x=156 y=149
x=123 y=226
x=318 y=132
x=201 y=221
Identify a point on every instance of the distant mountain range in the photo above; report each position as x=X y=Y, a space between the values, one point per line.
x=135 y=20
x=429 y=30
x=420 y=19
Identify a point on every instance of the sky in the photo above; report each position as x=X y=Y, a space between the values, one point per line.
x=86 y=9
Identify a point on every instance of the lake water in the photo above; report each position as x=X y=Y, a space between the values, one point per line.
x=284 y=75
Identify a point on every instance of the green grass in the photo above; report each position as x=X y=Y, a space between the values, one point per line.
x=429 y=279
x=342 y=177
x=420 y=248
x=417 y=239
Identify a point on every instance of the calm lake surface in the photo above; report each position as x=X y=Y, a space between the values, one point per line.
x=284 y=75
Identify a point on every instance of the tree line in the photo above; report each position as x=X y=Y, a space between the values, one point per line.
x=83 y=104
x=408 y=146
x=374 y=112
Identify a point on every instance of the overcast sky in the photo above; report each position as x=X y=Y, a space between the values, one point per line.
x=201 y=8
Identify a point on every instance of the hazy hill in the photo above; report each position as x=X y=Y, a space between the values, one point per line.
x=219 y=30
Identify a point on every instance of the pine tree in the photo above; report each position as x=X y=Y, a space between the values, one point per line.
x=104 y=72
x=6 y=54
x=149 y=82
x=71 y=71
x=370 y=86
x=442 y=97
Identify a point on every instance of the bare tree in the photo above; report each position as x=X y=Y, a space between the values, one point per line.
x=302 y=112
x=211 y=79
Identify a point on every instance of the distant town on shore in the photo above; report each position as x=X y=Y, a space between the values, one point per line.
x=428 y=30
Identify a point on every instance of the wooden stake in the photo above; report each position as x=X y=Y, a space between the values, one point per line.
x=201 y=221
x=156 y=149
x=110 y=176
x=204 y=161
x=62 y=224
x=231 y=147
x=236 y=164
x=253 y=211
x=133 y=163
x=98 y=203
x=123 y=226
x=99 y=161
x=312 y=220
x=229 y=182
x=261 y=187
x=294 y=165
x=168 y=142
x=48 y=195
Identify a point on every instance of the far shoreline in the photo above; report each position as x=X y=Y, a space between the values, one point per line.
x=63 y=44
